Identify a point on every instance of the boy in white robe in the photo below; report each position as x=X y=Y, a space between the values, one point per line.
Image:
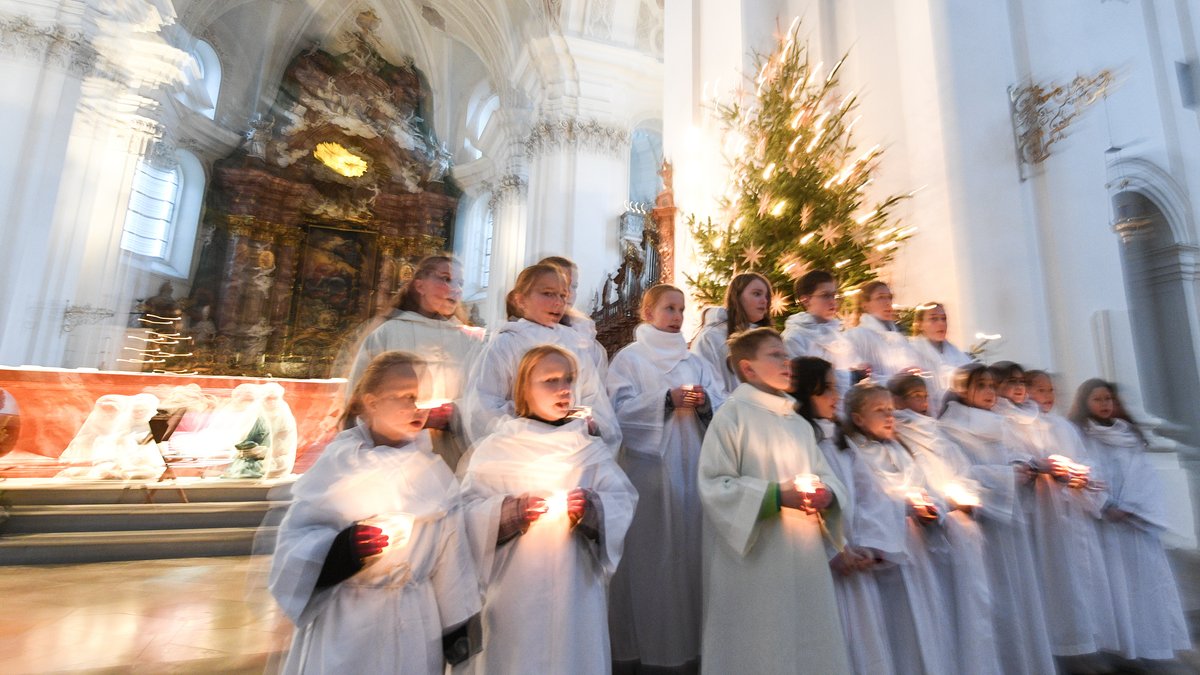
x=664 y=397
x=548 y=511
x=816 y=331
x=372 y=562
x=769 y=603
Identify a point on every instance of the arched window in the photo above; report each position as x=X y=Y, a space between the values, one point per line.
x=476 y=222
x=163 y=215
x=202 y=82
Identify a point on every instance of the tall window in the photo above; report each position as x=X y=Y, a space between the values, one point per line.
x=202 y=81
x=163 y=215
x=485 y=267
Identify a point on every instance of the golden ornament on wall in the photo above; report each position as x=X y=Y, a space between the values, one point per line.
x=340 y=160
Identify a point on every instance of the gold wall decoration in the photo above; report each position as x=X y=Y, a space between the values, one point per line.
x=341 y=160
x=1041 y=113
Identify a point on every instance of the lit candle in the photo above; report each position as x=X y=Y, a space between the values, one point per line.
x=434 y=403
x=397 y=526
x=556 y=505
x=806 y=483
x=581 y=412
x=960 y=495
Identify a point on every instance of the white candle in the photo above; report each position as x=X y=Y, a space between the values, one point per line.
x=960 y=495
x=433 y=403
x=806 y=483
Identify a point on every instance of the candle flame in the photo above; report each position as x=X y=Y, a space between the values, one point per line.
x=806 y=483
x=960 y=495
x=556 y=505
x=397 y=526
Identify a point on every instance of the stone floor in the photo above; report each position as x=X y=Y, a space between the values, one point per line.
x=214 y=615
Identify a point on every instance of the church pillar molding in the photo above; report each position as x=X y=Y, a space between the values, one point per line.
x=46 y=40
x=576 y=133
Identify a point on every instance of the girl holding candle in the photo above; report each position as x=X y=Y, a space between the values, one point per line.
x=936 y=356
x=876 y=339
x=372 y=563
x=747 y=305
x=1063 y=516
x=548 y=509
x=868 y=537
x=912 y=592
x=816 y=331
x=1150 y=620
x=578 y=321
x=664 y=397
x=539 y=298
x=1001 y=465
x=428 y=321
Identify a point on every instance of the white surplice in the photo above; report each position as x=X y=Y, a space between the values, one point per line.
x=769 y=603
x=584 y=325
x=864 y=622
x=1064 y=523
x=806 y=335
x=883 y=347
x=711 y=345
x=1150 y=620
x=391 y=615
x=938 y=363
x=963 y=572
x=987 y=440
x=912 y=593
x=449 y=350
x=488 y=400
x=654 y=616
x=546 y=597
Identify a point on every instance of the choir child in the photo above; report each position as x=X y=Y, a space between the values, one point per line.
x=1063 y=511
x=664 y=397
x=815 y=388
x=816 y=331
x=548 y=509
x=428 y=321
x=747 y=304
x=581 y=323
x=539 y=301
x=1150 y=620
x=912 y=594
x=1002 y=466
x=769 y=603
x=876 y=339
x=372 y=562
x=937 y=357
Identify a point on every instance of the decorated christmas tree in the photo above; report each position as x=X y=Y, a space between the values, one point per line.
x=797 y=196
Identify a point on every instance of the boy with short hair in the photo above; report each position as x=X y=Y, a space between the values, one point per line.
x=769 y=598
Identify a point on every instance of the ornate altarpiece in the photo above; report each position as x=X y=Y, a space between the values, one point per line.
x=313 y=225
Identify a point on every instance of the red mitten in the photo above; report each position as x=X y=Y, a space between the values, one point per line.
x=368 y=540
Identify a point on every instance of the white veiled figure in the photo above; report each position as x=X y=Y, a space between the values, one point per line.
x=938 y=363
x=883 y=347
x=806 y=335
x=1150 y=620
x=488 y=402
x=654 y=618
x=212 y=435
x=546 y=598
x=1064 y=523
x=990 y=445
x=391 y=615
x=98 y=437
x=912 y=593
x=281 y=424
x=449 y=351
x=138 y=456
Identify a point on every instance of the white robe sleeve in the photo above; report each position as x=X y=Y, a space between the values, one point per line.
x=487 y=402
x=618 y=499
x=305 y=536
x=641 y=413
x=731 y=500
x=455 y=581
x=710 y=345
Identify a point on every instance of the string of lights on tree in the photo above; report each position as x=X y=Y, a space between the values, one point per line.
x=796 y=199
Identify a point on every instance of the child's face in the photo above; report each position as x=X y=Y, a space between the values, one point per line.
x=1041 y=390
x=391 y=410
x=982 y=393
x=823 y=302
x=915 y=399
x=667 y=314
x=1013 y=387
x=825 y=404
x=441 y=291
x=771 y=367
x=755 y=301
x=1101 y=404
x=876 y=418
x=933 y=325
x=546 y=301
x=879 y=305
x=549 y=388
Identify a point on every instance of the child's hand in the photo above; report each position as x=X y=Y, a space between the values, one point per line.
x=1116 y=515
x=809 y=502
x=531 y=507
x=688 y=396
x=576 y=504
x=844 y=563
x=439 y=417
x=1025 y=473
x=368 y=540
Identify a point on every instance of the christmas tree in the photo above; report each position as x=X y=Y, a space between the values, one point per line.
x=796 y=198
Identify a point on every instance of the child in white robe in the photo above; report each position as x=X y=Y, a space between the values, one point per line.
x=372 y=562
x=913 y=596
x=1063 y=516
x=937 y=357
x=539 y=297
x=869 y=537
x=961 y=569
x=769 y=603
x=816 y=331
x=1150 y=620
x=1002 y=467
x=664 y=397
x=578 y=321
x=428 y=321
x=747 y=305
x=548 y=511
x=877 y=341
